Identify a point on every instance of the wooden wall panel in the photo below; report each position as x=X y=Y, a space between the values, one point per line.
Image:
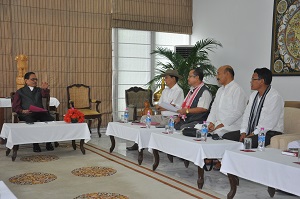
x=66 y=42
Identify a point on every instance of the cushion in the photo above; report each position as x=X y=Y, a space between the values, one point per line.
x=291 y=120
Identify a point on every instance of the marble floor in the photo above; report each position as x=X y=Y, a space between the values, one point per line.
x=213 y=180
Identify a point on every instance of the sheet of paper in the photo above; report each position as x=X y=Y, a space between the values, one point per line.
x=168 y=106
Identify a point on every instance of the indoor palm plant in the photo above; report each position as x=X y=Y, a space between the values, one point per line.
x=197 y=58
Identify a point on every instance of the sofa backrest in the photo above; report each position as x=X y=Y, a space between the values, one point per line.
x=291 y=120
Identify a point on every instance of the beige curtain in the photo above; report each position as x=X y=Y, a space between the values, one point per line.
x=153 y=15
x=66 y=42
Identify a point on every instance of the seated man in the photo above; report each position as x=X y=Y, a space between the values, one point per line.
x=264 y=110
x=229 y=104
x=196 y=104
x=30 y=94
x=173 y=95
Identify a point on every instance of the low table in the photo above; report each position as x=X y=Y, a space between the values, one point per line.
x=269 y=168
x=187 y=148
x=22 y=133
x=133 y=132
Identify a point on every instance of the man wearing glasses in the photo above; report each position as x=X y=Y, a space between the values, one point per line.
x=30 y=94
x=194 y=109
x=264 y=110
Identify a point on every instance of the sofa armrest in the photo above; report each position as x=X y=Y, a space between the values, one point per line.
x=281 y=141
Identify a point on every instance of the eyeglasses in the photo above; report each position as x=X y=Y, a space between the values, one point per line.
x=252 y=79
x=192 y=76
x=33 y=79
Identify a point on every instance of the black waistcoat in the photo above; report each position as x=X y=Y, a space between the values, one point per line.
x=29 y=97
x=197 y=116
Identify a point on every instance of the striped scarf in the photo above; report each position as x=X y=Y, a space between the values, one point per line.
x=189 y=99
x=254 y=118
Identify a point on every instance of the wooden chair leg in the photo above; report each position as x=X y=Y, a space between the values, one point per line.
x=98 y=127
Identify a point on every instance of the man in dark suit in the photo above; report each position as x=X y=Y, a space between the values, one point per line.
x=30 y=94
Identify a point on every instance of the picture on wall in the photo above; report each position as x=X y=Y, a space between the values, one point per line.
x=285 y=56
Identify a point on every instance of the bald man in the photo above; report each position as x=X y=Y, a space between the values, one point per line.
x=229 y=105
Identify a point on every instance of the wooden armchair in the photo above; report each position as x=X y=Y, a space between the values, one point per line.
x=135 y=98
x=79 y=97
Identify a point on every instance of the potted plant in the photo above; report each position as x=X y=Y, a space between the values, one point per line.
x=197 y=58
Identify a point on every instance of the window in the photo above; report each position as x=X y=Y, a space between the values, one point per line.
x=133 y=64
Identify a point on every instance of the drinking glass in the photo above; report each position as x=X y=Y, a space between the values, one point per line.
x=248 y=143
x=167 y=129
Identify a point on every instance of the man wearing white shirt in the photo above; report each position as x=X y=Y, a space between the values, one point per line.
x=229 y=104
x=264 y=110
x=195 y=106
x=172 y=95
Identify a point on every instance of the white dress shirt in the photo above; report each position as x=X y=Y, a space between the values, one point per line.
x=271 y=116
x=205 y=100
x=172 y=95
x=228 y=108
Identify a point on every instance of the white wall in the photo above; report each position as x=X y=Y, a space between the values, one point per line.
x=244 y=27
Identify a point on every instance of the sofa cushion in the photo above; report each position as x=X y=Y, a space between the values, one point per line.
x=291 y=120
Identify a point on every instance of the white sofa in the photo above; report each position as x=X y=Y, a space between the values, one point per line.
x=291 y=126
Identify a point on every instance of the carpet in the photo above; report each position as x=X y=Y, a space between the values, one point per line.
x=66 y=173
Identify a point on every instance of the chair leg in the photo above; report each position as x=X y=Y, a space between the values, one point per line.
x=89 y=125
x=98 y=127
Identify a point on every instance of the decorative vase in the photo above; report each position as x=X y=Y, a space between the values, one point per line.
x=74 y=120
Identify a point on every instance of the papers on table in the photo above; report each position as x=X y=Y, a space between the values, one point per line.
x=290 y=153
x=169 y=107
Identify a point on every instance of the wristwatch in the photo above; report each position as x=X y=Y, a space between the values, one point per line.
x=187 y=111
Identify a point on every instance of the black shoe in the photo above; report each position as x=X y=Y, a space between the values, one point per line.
x=49 y=146
x=36 y=148
x=133 y=147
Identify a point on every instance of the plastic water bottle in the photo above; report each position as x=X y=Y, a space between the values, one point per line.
x=126 y=115
x=204 y=131
x=171 y=125
x=148 y=120
x=261 y=140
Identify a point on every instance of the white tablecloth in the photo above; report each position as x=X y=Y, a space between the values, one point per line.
x=187 y=148
x=6 y=102
x=132 y=132
x=22 y=133
x=269 y=168
x=5 y=193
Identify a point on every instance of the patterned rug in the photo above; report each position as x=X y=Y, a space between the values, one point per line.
x=39 y=158
x=32 y=178
x=93 y=171
x=101 y=196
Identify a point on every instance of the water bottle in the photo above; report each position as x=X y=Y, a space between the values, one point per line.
x=204 y=131
x=148 y=120
x=261 y=140
x=171 y=125
x=126 y=115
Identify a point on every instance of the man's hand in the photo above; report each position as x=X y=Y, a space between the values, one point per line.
x=45 y=85
x=219 y=126
x=177 y=119
x=243 y=135
x=182 y=111
x=26 y=112
x=211 y=127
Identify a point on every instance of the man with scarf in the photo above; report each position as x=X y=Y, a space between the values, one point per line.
x=194 y=109
x=264 y=110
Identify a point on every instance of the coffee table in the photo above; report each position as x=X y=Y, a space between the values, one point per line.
x=188 y=149
x=133 y=132
x=22 y=133
x=269 y=168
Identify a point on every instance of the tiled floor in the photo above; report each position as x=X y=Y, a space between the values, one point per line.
x=213 y=180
